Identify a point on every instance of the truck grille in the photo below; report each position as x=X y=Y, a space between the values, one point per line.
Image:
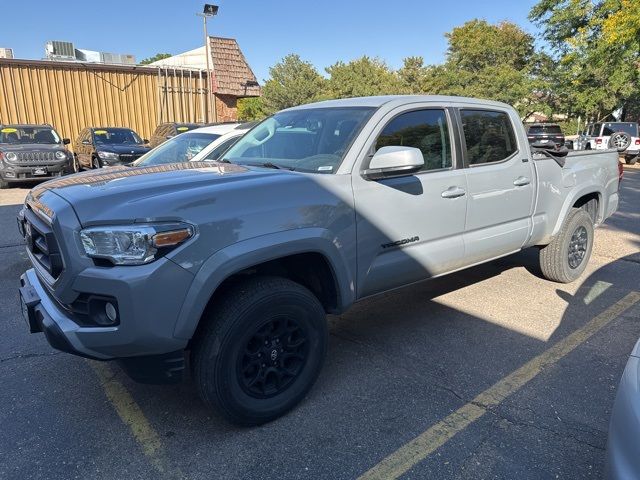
x=36 y=156
x=42 y=243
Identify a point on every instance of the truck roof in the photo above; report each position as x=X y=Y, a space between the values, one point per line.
x=21 y=125
x=378 y=101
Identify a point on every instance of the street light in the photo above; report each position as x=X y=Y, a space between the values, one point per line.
x=209 y=11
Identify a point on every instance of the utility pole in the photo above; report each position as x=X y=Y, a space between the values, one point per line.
x=209 y=11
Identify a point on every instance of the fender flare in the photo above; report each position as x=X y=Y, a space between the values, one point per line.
x=247 y=253
x=572 y=199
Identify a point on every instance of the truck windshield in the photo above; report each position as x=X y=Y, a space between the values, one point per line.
x=23 y=135
x=113 y=136
x=177 y=149
x=609 y=129
x=306 y=140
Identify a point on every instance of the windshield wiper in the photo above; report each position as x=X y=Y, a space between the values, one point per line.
x=271 y=165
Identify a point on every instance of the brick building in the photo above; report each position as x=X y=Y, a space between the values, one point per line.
x=231 y=79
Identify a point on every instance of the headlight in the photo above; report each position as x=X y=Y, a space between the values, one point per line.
x=109 y=156
x=133 y=244
x=11 y=156
x=60 y=155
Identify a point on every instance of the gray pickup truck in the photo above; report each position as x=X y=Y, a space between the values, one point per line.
x=230 y=267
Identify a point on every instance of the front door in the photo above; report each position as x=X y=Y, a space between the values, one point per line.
x=410 y=228
x=500 y=180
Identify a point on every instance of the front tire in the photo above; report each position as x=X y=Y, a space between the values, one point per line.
x=95 y=163
x=3 y=184
x=566 y=257
x=260 y=350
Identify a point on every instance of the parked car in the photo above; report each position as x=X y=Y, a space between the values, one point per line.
x=235 y=263
x=165 y=131
x=623 y=444
x=32 y=152
x=545 y=133
x=98 y=147
x=622 y=136
x=193 y=145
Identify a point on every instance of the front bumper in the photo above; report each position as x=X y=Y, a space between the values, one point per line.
x=149 y=298
x=22 y=173
x=623 y=444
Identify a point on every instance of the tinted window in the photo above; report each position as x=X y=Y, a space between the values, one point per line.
x=611 y=128
x=489 y=136
x=596 y=129
x=423 y=129
x=544 y=130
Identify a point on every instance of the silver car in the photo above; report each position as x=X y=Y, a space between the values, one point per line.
x=623 y=446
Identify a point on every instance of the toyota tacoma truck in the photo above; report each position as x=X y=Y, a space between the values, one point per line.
x=230 y=267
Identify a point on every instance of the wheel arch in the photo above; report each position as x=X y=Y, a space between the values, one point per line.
x=270 y=253
x=581 y=199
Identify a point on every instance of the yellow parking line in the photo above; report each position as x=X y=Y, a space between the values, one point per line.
x=427 y=442
x=133 y=416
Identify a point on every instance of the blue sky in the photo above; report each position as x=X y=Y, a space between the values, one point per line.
x=321 y=32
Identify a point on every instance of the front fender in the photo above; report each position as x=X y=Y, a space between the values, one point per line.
x=245 y=254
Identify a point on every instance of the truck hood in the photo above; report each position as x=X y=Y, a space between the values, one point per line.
x=113 y=194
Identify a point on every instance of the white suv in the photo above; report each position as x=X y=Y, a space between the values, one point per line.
x=623 y=136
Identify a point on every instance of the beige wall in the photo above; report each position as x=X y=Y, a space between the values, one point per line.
x=71 y=96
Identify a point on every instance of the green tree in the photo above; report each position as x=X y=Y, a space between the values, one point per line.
x=155 y=58
x=496 y=62
x=293 y=82
x=413 y=75
x=597 y=49
x=251 y=108
x=362 y=77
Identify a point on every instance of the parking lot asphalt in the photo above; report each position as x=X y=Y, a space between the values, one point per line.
x=491 y=372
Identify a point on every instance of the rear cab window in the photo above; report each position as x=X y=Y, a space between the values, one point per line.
x=489 y=136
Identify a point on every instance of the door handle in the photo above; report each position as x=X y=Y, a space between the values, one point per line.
x=521 y=181
x=453 y=192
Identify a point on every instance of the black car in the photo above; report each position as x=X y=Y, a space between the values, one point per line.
x=168 y=130
x=545 y=133
x=108 y=146
x=32 y=152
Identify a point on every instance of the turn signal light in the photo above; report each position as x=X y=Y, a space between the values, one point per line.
x=169 y=239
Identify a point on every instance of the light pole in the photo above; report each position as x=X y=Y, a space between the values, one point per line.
x=209 y=11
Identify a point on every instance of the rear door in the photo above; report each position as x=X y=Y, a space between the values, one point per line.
x=500 y=182
x=410 y=228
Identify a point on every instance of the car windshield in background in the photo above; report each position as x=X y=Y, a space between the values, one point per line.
x=116 y=136
x=181 y=148
x=306 y=140
x=26 y=135
x=609 y=129
x=544 y=130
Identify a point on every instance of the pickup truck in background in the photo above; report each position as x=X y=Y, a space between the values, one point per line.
x=235 y=263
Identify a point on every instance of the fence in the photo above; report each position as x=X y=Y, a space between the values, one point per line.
x=72 y=95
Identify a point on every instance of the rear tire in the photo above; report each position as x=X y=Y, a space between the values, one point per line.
x=631 y=161
x=260 y=350
x=566 y=257
x=3 y=184
x=95 y=163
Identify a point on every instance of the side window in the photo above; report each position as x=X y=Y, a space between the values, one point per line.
x=596 y=129
x=489 y=136
x=423 y=129
x=217 y=152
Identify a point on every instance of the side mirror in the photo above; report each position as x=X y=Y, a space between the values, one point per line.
x=86 y=142
x=66 y=141
x=394 y=162
x=144 y=140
